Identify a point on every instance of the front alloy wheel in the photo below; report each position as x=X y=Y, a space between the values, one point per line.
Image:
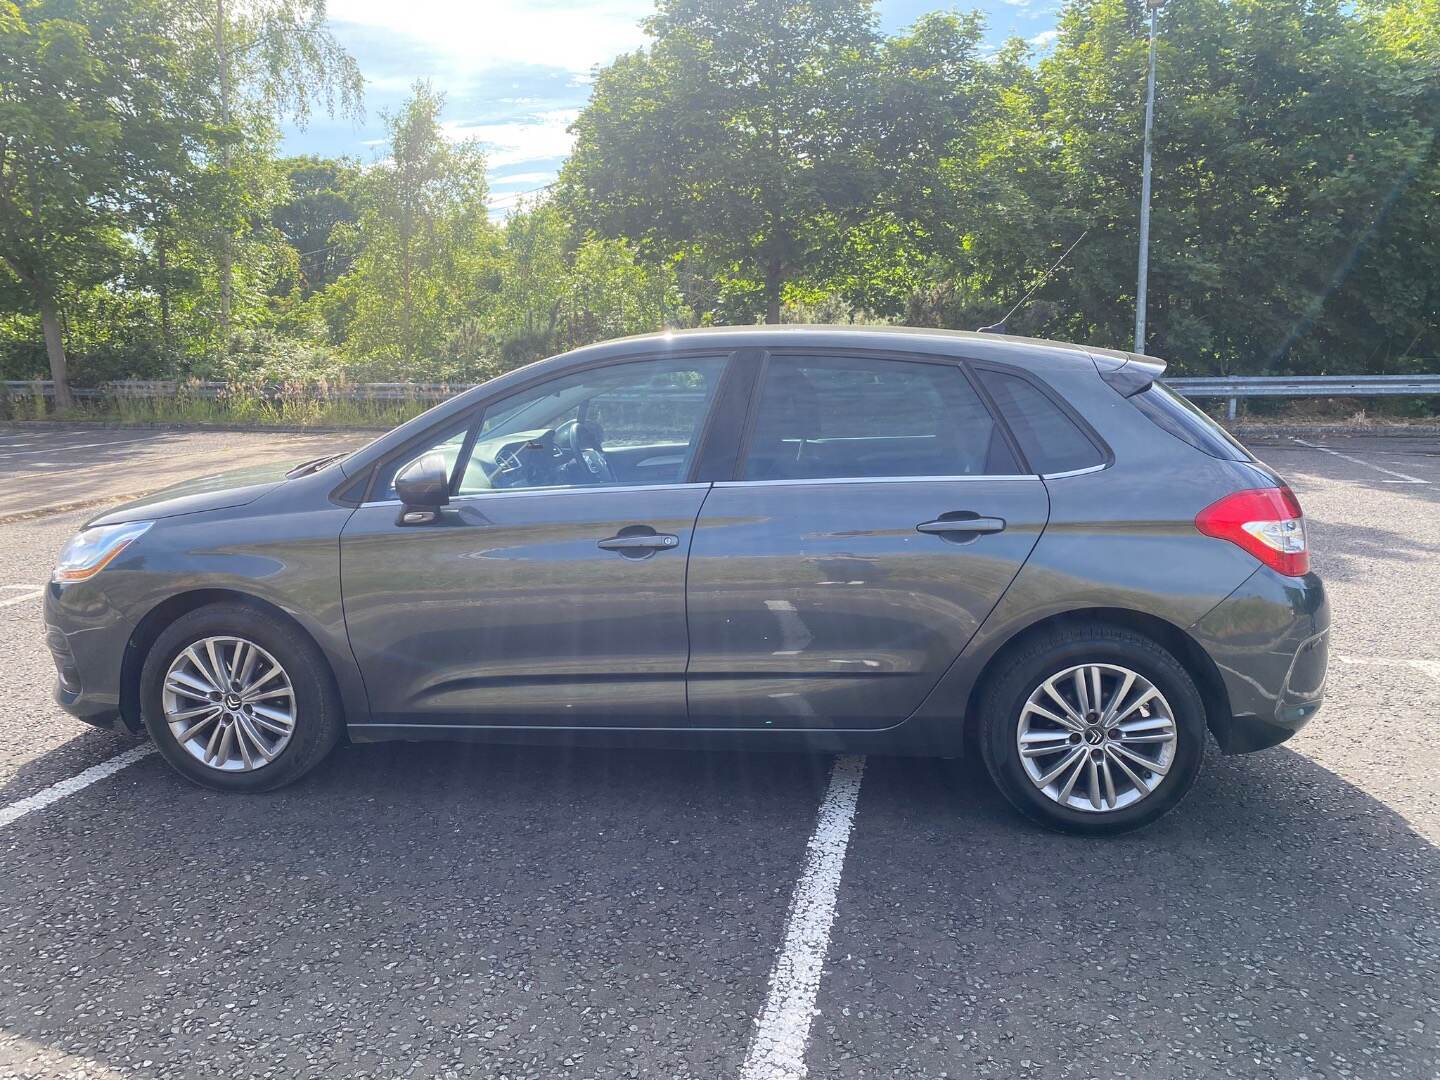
x=1096 y=737
x=239 y=698
x=229 y=704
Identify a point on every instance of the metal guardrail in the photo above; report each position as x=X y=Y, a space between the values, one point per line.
x=1234 y=387
x=1230 y=387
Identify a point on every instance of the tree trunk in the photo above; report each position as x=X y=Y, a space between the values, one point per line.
x=166 y=329
x=55 y=350
x=773 y=281
x=226 y=258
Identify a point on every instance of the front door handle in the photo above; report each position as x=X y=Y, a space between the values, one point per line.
x=635 y=543
x=968 y=523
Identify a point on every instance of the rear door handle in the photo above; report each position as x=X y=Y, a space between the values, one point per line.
x=639 y=542
x=957 y=524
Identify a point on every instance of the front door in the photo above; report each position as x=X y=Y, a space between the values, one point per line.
x=552 y=589
x=876 y=519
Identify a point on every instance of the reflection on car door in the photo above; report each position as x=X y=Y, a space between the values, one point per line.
x=878 y=516
x=559 y=605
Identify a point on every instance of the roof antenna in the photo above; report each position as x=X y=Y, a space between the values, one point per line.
x=999 y=327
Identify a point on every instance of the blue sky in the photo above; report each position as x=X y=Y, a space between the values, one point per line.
x=515 y=72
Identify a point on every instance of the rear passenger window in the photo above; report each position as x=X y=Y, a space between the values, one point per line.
x=1170 y=412
x=1049 y=439
x=832 y=417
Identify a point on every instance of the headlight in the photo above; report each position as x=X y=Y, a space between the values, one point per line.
x=91 y=551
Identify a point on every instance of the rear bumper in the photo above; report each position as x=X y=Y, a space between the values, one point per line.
x=1270 y=640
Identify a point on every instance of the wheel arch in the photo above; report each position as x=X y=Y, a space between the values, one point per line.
x=154 y=622
x=1181 y=645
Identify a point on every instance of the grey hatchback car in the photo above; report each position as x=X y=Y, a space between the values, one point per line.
x=901 y=541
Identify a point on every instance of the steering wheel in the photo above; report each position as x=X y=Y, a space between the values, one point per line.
x=581 y=439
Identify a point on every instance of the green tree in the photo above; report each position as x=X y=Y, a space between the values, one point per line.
x=1289 y=183
x=93 y=101
x=264 y=59
x=321 y=200
x=741 y=131
x=423 y=236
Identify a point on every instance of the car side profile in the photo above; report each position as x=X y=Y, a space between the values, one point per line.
x=816 y=538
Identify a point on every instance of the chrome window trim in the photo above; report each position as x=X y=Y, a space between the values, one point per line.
x=500 y=493
x=814 y=480
x=1077 y=472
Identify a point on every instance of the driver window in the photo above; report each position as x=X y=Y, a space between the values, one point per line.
x=631 y=423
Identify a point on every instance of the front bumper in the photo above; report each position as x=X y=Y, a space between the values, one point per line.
x=1270 y=640
x=87 y=642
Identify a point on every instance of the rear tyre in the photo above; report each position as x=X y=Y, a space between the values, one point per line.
x=1095 y=730
x=238 y=699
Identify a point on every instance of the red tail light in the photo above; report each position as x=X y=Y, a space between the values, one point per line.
x=1266 y=522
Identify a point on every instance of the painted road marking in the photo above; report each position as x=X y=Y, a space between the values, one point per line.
x=73 y=446
x=1429 y=667
x=55 y=792
x=11 y=601
x=1401 y=478
x=777 y=1051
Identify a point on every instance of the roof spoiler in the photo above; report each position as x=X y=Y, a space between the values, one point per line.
x=1131 y=375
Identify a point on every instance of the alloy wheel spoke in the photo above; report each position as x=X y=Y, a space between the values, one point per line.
x=182 y=682
x=273 y=719
x=1082 y=692
x=1140 y=785
x=1111 y=798
x=1093 y=778
x=268 y=695
x=1070 y=759
x=274 y=672
x=247 y=726
x=1069 y=710
x=198 y=710
x=1153 y=767
x=1079 y=767
x=1144 y=698
x=1113 y=705
x=204 y=673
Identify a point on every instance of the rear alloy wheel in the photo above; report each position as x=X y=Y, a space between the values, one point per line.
x=1096 y=737
x=1093 y=729
x=238 y=698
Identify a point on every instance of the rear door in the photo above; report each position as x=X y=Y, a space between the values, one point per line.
x=875 y=518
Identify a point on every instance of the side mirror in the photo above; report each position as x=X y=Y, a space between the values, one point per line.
x=423 y=487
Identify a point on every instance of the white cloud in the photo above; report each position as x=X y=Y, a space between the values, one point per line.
x=528 y=138
x=466 y=36
x=522 y=180
x=1044 y=39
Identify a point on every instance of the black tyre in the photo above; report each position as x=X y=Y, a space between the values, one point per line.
x=1094 y=729
x=238 y=699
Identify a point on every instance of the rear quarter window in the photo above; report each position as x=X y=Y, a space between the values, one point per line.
x=1051 y=441
x=1170 y=412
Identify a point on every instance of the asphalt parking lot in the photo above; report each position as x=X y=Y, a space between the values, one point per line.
x=433 y=911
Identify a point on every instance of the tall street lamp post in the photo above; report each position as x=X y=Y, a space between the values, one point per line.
x=1143 y=283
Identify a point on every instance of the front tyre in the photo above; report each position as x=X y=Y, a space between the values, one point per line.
x=1096 y=730
x=238 y=699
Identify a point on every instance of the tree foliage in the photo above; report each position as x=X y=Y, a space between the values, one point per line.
x=775 y=159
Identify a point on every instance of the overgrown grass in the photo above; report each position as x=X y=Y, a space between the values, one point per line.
x=304 y=405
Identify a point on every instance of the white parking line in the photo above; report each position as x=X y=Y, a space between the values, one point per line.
x=55 y=792
x=5 y=453
x=783 y=1031
x=1401 y=478
x=1429 y=667
x=11 y=601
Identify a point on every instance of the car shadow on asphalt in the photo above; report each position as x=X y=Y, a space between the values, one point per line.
x=625 y=907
